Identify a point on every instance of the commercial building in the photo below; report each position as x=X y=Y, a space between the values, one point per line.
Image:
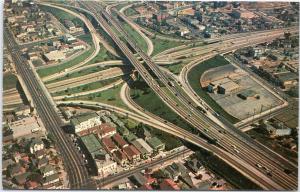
x=106 y=166
x=28 y=126
x=287 y=80
x=93 y=147
x=54 y=56
x=143 y=147
x=85 y=121
x=278 y=130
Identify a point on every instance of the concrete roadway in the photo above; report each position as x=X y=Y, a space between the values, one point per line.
x=77 y=173
x=195 y=122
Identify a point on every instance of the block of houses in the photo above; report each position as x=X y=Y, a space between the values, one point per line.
x=143 y=147
x=120 y=157
x=121 y=143
x=31 y=184
x=109 y=145
x=36 y=145
x=156 y=144
x=85 y=121
x=106 y=130
x=132 y=154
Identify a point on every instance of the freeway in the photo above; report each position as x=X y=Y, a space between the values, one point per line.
x=73 y=163
x=231 y=140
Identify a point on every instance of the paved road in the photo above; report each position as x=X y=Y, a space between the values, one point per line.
x=78 y=176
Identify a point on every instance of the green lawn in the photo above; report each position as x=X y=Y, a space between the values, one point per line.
x=161 y=45
x=87 y=87
x=130 y=11
x=120 y=6
x=194 y=77
x=58 y=68
x=136 y=36
x=79 y=73
x=9 y=81
x=148 y=100
x=103 y=55
x=62 y=15
x=110 y=96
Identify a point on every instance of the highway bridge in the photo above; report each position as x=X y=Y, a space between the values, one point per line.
x=272 y=166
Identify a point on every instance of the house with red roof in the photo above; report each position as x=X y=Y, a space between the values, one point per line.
x=109 y=145
x=106 y=130
x=145 y=187
x=132 y=153
x=121 y=143
x=168 y=184
x=120 y=157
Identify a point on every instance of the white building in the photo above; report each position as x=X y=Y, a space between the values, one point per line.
x=68 y=38
x=106 y=167
x=85 y=121
x=55 y=56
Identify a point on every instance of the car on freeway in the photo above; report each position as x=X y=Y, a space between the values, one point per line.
x=258 y=165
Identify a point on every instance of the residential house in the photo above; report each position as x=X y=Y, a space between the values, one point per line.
x=42 y=162
x=195 y=166
x=31 y=184
x=15 y=170
x=40 y=154
x=106 y=130
x=121 y=143
x=21 y=179
x=109 y=145
x=47 y=170
x=36 y=145
x=120 y=157
x=132 y=153
x=50 y=179
x=143 y=147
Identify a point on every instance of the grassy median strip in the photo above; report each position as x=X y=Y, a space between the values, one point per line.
x=58 y=68
x=148 y=100
x=86 y=87
x=80 y=73
x=194 y=78
x=136 y=36
x=161 y=45
x=110 y=96
x=103 y=55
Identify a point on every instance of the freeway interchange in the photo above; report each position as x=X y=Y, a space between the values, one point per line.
x=271 y=166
